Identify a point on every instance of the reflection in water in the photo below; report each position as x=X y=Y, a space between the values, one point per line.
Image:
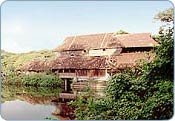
x=13 y=92
x=19 y=103
x=21 y=110
x=64 y=111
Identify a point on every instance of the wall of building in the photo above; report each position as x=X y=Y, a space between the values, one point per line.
x=102 y=52
x=91 y=73
x=91 y=52
x=72 y=53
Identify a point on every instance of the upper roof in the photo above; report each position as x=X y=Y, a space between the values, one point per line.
x=107 y=40
x=137 y=40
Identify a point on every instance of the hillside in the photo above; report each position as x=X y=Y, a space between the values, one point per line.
x=14 y=60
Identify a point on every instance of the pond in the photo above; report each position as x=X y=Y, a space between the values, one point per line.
x=29 y=103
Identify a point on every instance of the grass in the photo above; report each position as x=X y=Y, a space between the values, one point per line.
x=11 y=62
x=12 y=92
x=36 y=80
x=16 y=60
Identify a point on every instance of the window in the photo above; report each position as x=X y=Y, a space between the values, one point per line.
x=66 y=70
x=72 y=71
x=82 y=72
x=60 y=71
x=98 y=73
x=104 y=49
x=71 y=54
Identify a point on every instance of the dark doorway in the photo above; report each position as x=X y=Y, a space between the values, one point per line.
x=66 y=87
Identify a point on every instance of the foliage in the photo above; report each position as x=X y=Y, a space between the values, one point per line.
x=16 y=60
x=121 y=32
x=41 y=79
x=83 y=104
x=165 y=16
x=35 y=79
x=12 y=92
x=11 y=62
x=143 y=93
x=164 y=59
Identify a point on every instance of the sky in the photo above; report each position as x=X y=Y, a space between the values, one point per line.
x=38 y=25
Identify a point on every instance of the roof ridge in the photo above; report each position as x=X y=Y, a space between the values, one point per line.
x=72 y=42
x=91 y=34
x=131 y=34
x=103 y=39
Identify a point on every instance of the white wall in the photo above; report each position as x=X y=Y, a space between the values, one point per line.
x=101 y=52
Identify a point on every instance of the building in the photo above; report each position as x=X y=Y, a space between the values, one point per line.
x=105 y=44
x=96 y=57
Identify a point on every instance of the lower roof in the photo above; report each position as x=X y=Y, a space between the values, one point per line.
x=88 y=62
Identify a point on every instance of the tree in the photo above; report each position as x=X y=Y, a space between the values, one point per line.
x=164 y=59
x=147 y=96
x=165 y=16
x=121 y=32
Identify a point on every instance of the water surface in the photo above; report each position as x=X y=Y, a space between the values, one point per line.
x=29 y=103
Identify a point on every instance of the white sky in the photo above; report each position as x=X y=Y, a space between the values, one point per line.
x=31 y=25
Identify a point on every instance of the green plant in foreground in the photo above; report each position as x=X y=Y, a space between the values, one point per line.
x=36 y=79
x=147 y=93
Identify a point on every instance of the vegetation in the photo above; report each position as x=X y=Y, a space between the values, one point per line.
x=35 y=79
x=143 y=93
x=11 y=63
x=12 y=92
x=165 y=16
x=13 y=60
x=121 y=32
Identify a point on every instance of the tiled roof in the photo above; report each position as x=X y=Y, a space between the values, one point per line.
x=35 y=65
x=107 y=40
x=129 y=59
x=136 y=40
x=79 y=62
x=85 y=62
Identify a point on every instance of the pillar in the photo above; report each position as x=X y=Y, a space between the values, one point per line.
x=65 y=84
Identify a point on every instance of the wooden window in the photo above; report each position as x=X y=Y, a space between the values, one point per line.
x=82 y=72
x=54 y=70
x=99 y=73
x=60 y=71
x=66 y=70
x=72 y=70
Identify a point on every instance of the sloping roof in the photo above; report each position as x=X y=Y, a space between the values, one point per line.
x=129 y=59
x=92 y=41
x=89 y=62
x=136 y=40
x=35 y=65
x=85 y=62
x=79 y=62
x=106 y=40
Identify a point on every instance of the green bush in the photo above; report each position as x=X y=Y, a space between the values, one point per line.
x=140 y=94
x=13 y=92
x=36 y=79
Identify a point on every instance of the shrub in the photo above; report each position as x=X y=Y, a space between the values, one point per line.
x=37 y=79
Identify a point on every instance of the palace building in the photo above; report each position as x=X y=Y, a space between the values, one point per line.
x=95 y=56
